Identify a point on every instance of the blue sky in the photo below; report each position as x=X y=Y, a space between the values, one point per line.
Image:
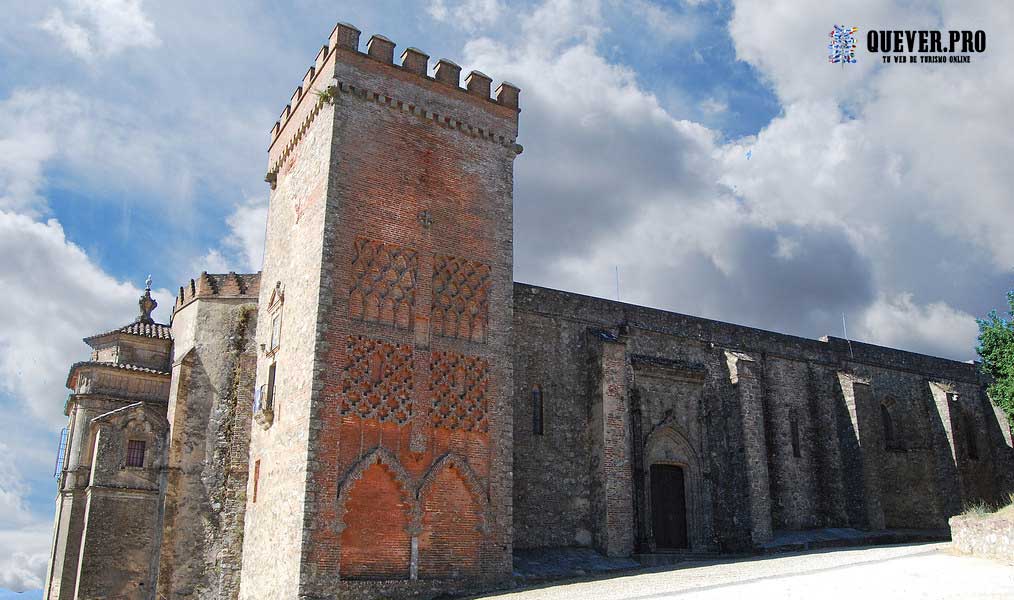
x=135 y=134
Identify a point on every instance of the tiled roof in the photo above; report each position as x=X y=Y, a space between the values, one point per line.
x=149 y=330
x=152 y=330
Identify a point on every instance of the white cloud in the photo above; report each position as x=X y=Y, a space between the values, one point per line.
x=101 y=28
x=666 y=25
x=23 y=571
x=53 y=296
x=713 y=106
x=935 y=328
x=23 y=548
x=13 y=509
x=101 y=145
x=851 y=201
x=242 y=249
x=469 y=15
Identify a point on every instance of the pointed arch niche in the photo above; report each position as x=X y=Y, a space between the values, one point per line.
x=375 y=508
x=453 y=506
x=667 y=446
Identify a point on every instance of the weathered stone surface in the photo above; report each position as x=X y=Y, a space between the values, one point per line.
x=985 y=537
x=720 y=401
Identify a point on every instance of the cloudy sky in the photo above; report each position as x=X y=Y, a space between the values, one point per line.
x=134 y=137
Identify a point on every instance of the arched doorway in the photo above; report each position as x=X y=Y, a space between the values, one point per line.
x=669 y=507
x=677 y=496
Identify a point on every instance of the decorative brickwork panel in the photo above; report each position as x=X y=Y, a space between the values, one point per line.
x=384 y=283
x=375 y=543
x=377 y=380
x=458 y=384
x=460 y=298
x=450 y=544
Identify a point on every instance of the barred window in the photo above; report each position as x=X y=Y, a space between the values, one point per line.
x=135 y=453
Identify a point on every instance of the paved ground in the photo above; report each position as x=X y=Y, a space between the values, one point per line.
x=910 y=571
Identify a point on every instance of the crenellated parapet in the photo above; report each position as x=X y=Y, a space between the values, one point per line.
x=323 y=81
x=226 y=285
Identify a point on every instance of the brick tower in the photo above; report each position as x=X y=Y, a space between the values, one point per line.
x=380 y=460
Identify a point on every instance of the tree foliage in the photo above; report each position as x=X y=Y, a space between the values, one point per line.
x=996 y=347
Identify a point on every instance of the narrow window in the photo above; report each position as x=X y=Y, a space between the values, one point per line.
x=135 y=453
x=890 y=437
x=970 y=437
x=276 y=331
x=257 y=477
x=269 y=400
x=794 y=428
x=537 y=410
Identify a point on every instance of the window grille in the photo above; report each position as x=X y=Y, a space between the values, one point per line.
x=135 y=453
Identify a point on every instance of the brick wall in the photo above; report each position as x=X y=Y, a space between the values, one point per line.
x=415 y=323
x=390 y=232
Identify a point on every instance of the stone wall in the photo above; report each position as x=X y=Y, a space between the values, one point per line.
x=988 y=537
x=788 y=433
x=552 y=483
x=290 y=290
x=122 y=521
x=210 y=418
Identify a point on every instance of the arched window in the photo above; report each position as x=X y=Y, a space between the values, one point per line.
x=970 y=438
x=537 y=410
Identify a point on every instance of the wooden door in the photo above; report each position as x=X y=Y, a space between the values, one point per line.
x=668 y=507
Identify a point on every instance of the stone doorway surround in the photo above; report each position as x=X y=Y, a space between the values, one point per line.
x=667 y=446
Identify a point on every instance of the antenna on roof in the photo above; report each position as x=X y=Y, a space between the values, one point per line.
x=846 y=332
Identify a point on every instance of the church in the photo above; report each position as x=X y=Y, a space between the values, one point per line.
x=383 y=412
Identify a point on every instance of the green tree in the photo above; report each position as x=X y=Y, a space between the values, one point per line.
x=996 y=347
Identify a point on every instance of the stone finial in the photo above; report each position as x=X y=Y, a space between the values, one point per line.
x=447 y=72
x=344 y=36
x=507 y=94
x=380 y=48
x=415 y=60
x=478 y=83
x=147 y=304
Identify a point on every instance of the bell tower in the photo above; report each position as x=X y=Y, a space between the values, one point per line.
x=382 y=446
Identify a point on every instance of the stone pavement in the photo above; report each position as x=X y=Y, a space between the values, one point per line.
x=907 y=571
